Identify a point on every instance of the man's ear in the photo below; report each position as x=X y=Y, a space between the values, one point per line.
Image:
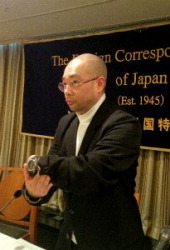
x=101 y=83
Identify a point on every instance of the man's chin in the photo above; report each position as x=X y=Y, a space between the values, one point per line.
x=72 y=109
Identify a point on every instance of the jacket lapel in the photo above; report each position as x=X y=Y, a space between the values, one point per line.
x=70 y=137
x=101 y=115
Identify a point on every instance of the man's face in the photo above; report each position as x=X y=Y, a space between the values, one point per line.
x=81 y=98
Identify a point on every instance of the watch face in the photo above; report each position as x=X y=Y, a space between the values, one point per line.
x=33 y=164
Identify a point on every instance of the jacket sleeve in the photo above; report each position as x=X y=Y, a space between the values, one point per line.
x=54 y=149
x=112 y=154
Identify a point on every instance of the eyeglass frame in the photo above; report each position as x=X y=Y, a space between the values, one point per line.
x=63 y=86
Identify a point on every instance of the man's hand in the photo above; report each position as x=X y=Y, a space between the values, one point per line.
x=38 y=185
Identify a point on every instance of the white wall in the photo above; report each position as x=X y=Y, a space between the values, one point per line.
x=26 y=19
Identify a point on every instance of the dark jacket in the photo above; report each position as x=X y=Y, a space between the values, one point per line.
x=99 y=183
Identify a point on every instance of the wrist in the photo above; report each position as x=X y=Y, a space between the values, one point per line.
x=29 y=198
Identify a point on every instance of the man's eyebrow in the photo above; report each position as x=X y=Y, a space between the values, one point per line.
x=71 y=76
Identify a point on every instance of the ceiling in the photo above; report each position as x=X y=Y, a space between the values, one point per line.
x=36 y=19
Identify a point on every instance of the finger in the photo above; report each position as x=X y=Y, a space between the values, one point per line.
x=45 y=189
x=42 y=179
x=47 y=180
x=44 y=183
x=49 y=187
x=26 y=173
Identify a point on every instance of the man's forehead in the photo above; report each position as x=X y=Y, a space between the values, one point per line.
x=73 y=69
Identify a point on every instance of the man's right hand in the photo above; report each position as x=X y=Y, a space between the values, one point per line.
x=37 y=186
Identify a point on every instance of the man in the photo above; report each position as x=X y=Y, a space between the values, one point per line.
x=93 y=159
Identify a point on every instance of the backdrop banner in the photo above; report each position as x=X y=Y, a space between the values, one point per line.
x=138 y=64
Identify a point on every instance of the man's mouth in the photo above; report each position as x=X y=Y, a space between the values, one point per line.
x=69 y=102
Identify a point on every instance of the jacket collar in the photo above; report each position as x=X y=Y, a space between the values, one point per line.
x=101 y=115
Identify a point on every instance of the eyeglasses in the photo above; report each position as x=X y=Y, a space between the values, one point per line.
x=74 y=84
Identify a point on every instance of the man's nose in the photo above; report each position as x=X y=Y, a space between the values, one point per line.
x=68 y=90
